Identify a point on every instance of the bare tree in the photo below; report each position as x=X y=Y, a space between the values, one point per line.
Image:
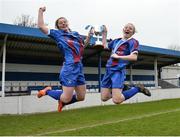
x=174 y=47
x=25 y=20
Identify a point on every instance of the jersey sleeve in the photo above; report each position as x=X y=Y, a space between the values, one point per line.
x=53 y=34
x=134 y=46
x=110 y=44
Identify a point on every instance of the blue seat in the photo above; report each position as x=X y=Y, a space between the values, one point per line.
x=95 y=87
x=30 y=88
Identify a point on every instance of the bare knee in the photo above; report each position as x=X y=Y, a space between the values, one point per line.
x=80 y=98
x=117 y=100
x=104 y=99
x=66 y=99
x=105 y=95
x=80 y=92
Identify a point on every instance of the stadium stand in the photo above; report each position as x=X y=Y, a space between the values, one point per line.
x=33 y=60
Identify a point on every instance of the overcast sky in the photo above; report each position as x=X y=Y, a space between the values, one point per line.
x=157 y=21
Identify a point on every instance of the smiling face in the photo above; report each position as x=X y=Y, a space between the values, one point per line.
x=62 y=24
x=128 y=30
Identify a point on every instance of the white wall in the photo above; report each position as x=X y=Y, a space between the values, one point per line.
x=31 y=104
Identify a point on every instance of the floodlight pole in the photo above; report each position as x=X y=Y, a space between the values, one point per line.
x=4 y=65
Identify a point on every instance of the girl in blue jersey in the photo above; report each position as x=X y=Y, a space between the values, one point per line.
x=71 y=44
x=123 y=49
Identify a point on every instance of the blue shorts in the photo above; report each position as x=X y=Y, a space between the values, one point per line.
x=72 y=75
x=113 y=79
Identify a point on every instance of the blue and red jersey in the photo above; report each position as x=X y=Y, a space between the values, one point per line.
x=124 y=48
x=70 y=44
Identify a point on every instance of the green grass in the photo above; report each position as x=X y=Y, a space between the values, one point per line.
x=159 y=118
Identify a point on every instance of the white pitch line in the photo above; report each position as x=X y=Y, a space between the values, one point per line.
x=110 y=122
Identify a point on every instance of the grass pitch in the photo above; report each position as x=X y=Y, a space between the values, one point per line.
x=159 y=118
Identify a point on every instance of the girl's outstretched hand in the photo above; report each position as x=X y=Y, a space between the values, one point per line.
x=114 y=55
x=43 y=9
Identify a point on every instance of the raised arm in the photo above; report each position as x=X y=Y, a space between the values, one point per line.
x=90 y=34
x=41 y=24
x=104 y=37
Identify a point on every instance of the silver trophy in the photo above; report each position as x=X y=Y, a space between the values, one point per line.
x=98 y=35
